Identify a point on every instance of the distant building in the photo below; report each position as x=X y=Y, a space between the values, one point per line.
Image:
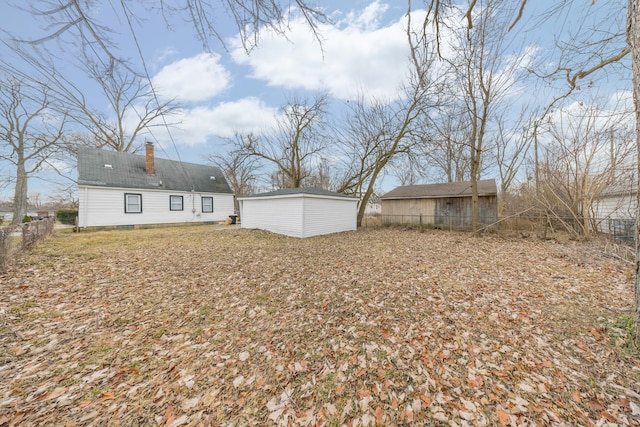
x=447 y=204
x=374 y=207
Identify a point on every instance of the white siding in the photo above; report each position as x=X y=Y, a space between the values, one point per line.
x=324 y=216
x=299 y=215
x=610 y=209
x=621 y=206
x=278 y=215
x=105 y=207
x=373 y=209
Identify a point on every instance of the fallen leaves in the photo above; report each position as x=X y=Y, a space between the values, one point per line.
x=378 y=327
x=503 y=417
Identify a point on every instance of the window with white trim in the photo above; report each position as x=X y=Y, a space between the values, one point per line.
x=176 y=203
x=207 y=204
x=132 y=203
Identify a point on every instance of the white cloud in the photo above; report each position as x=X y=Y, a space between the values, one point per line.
x=197 y=78
x=162 y=56
x=359 y=57
x=199 y=124
x=368 y=18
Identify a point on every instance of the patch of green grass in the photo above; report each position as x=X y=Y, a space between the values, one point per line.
x=391 y=373
x=326 y=387
x=68 y=382
x=97 y=355
x=622 y=332
x=21 y=309
x=159 y=332
x=205 y=311
x=95 y=393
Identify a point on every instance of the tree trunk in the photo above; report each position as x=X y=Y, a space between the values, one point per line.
x=20 y=193
x=475 y=205
x=633 y=39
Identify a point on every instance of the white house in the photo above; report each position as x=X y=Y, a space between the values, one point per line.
x=299 y=212
x=120 y=189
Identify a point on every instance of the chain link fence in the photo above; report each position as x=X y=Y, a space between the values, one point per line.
x=619 y=229
x=15 y=239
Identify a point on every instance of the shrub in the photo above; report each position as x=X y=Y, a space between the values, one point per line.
x=26 y=218
x=67 y=216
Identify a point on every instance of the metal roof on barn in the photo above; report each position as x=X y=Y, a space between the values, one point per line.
x=103 y=168
x=486 y=187
x=306 y=190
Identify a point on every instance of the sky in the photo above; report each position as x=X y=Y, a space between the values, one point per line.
x=227 y=90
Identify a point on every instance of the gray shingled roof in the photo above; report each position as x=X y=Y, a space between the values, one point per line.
x=128 y=171
x=306 y=190
x=486 y=187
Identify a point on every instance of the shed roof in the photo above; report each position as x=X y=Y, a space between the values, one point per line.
x=104 y=168
x=486 y=187
x=300 y=191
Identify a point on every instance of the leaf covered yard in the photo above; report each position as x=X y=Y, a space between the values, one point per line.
x=196 y=326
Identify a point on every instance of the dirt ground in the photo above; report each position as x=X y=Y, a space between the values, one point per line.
x=193 y=326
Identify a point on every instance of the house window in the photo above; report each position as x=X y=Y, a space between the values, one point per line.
x=207 y=204
x=132 y=203
x=175 y=203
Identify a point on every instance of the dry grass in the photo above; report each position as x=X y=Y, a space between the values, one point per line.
x=197 y=326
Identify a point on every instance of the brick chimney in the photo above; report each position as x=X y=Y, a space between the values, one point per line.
x=149 y=163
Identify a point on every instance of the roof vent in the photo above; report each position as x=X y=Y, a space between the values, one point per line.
x=108 y=166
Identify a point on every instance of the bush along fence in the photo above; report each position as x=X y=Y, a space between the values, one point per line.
x=15 y=239
x=67 y=216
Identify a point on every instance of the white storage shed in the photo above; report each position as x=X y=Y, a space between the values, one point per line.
x=299 y=212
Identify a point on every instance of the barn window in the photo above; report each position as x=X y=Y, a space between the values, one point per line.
x=132 y=203
x=207 y=204
x=176 y=203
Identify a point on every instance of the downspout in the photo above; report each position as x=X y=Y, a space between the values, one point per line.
x=304 y=216
x=86 y=210
x=193 y=205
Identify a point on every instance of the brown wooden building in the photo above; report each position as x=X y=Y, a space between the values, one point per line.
x=446 y=205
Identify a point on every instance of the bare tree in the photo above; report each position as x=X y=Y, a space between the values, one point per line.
x=77 y=19
x=485 y=78
x=132 y=108
x=31 y=131
x=239 y=171
x=633 y=39
x=131 y=105
x=375 y=134
x=409 y=168
x=295 y=146
x=581 y=161
x=446 y=150
x=128 y=109
x=325 y=175
x=35 y=199
x=511 y=148
x=65 y=197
